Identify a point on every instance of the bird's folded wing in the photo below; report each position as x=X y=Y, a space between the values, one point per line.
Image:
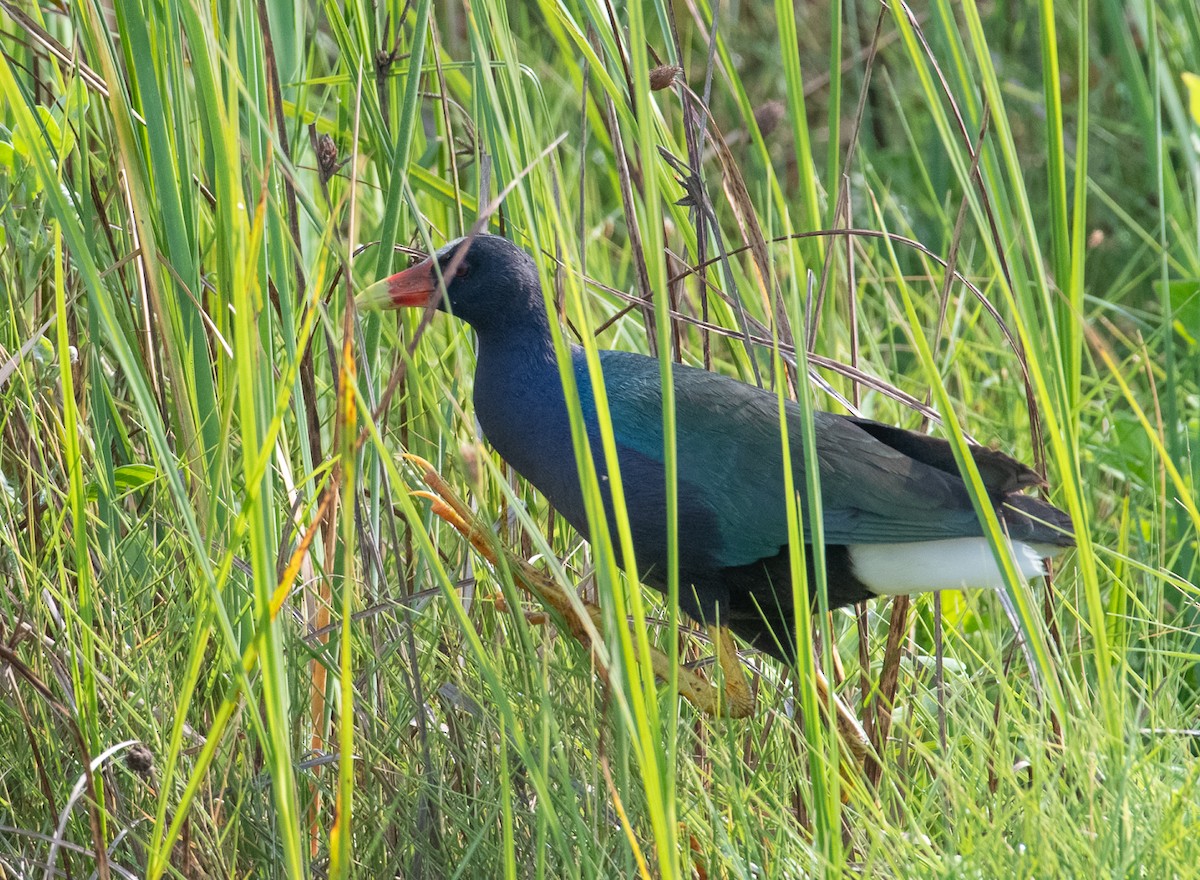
x=730 y=459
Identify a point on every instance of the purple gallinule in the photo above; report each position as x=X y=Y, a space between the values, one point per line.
x=897 y=514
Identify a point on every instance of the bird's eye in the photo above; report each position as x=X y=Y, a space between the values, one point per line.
x=464 y=269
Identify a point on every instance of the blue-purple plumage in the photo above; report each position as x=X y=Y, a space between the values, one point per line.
x=880 y=486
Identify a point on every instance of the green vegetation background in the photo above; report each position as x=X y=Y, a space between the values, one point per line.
x=233 y=644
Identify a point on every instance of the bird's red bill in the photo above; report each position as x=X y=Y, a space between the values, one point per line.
x=415 y=286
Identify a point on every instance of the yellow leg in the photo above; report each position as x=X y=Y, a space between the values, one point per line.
x=739 y=698
x=851 y=733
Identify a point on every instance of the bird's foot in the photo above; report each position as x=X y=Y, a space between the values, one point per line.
x=533 y=618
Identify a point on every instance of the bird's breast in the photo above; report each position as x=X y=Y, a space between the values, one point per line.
x=524 y=417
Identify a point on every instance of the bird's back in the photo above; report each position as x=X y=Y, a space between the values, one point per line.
x=879 y=484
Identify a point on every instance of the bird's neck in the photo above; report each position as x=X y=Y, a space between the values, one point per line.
x=516 y=378
x=520 y=405
x=518 y=351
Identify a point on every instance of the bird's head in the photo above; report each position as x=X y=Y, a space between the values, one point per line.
x=487 y=281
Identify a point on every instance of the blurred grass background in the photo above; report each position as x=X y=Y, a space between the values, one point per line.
x=231 y=643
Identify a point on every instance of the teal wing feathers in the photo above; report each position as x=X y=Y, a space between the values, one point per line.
x=730 y=463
